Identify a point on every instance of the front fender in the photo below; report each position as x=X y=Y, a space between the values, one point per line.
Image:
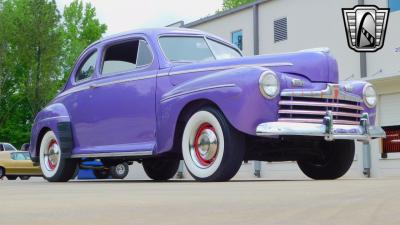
x=51 y=118
x=234 y=91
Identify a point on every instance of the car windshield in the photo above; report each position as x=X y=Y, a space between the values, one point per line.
x=195 y=49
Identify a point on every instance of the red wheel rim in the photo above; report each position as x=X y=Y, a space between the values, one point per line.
x=201 y=154
x=50 y=163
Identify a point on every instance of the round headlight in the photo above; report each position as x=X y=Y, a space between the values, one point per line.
x=369 y=95
x=269 y=84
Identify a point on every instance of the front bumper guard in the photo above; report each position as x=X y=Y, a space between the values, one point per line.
x=328 y=130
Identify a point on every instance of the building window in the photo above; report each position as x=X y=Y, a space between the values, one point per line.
x=280 y=29
x=394 y=5
x=391 y=143
x=237 y=39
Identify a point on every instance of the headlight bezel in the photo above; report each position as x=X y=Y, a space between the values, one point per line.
x=262 y=84
x=365 y=97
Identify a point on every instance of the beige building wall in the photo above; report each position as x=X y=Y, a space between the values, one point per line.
x=311 y=24
x=224 y=26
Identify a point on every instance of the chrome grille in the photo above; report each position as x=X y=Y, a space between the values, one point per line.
x=313 y=110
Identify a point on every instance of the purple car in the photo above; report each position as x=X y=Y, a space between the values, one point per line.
x=157 y=96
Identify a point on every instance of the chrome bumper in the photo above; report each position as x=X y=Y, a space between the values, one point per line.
x=328 y=130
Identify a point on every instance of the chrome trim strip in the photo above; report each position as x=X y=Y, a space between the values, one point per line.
x=313 y=112
x=54 y=117
x=298 y=120
x=196 y=90
x=230 y=67
x=92 y=85
x=321 y=104
x=332 y=91
x=345 y=132
x=112 y=154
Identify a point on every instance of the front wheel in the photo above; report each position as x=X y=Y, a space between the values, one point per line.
x=336 y=160
x=212 y=149
x=54 y=166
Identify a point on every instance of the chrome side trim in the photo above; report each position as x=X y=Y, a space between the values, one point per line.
x=321 y=104
x=113 y=154
x=92 y=85
x=166 y=98
x=332 y=91
x=215 y=68
x=54 y=117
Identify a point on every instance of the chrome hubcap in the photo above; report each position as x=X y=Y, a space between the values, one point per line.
x=120 y=169
x=52 y=156
x=204 y=146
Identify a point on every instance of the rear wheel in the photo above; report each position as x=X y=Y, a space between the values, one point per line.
x=212 y=149
x=55 y=167
x=9 y=177
x=161 y=169
x=336 y=161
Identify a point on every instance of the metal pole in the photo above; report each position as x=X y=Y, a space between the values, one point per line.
x=257 y=169
x=179 y=175
x=367 y=158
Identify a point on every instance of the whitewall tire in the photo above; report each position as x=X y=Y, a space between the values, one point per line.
x=54 y=167
x=211 y=148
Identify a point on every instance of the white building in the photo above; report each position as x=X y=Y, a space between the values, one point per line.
x=274 y=26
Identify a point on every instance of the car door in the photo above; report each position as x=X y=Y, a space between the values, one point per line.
x=122 y=99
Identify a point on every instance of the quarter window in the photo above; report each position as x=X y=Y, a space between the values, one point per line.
x=126 y=56
x=87 y=69
x=222 y=51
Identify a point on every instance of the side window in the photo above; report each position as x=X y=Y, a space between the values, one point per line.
x=126 y=56
x=1 y=148
x=144 y=54
x=87 y=68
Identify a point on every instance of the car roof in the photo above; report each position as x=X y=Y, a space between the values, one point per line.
x=155 y=32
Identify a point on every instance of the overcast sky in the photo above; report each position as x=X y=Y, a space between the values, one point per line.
x=123 y=15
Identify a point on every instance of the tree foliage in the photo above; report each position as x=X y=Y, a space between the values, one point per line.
x=38 y=47
x=231 y=4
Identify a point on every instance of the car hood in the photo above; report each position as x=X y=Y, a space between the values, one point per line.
x=316 y=66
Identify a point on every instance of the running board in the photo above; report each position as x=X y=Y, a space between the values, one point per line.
x=113 y=154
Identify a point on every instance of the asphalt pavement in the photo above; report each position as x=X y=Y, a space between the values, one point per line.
x=344 y=201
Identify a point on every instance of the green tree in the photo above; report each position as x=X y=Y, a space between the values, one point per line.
x=231 y=4
x=80 y=28
x=38 y=47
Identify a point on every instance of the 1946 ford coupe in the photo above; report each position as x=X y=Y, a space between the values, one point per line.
x=159 y=95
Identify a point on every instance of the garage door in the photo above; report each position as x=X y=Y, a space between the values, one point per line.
x=390 y=109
